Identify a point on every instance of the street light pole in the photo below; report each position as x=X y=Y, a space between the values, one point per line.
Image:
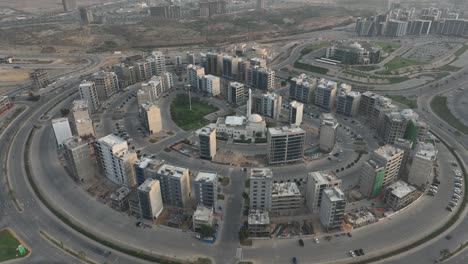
x=190 y=96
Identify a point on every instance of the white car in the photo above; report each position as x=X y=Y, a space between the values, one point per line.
x=316 y=241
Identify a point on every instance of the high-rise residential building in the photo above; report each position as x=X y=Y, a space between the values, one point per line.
x=296 y=113
x=394 y=127
x=62 y=130
x=261 y=4
x=88 y=93
x=81 y=119
x=167 y=80
x=175 y=185
x=120 y=199
x=382 y=107
x=166 y=11
x=367 y=103
x=69 y=5
x=242 y=67
x=207 y=138
x=262 y=63
x=210 y=84
x=421 y=172
x=86 y=16
x=145 y=168
x=260 y=78
x=327 y=132
x=317 y=182
x=5 y=104
x=390 y=157
x=149 y=195
x=230 y=67
x=286 y=199
x=159 y=63
x=150 y=115
x=236 y=93
x=214 y=63
x=267 y=104
x=371 y=178
x=348 y=103
x=206 y=188
x=407 y=146
x=191 y=58
x=419 y=27
x=151 y=91
x=261 y=187
x=416 y=130
x=396 y=28
x=143 y=70
x=353 y=52
x=115 y=160
x=285 y=144
x=107 y=84
x=126 y=74
x=194 y=74
x=39 y=78
x=399 y=194
x=79 y=160
x=332 y=208
x=325 y=94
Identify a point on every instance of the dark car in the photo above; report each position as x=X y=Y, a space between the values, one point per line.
x=139 y=224
x=301 y=242
x=294 y=260
x=349 y=235
x=357 y=252
x=361 y=251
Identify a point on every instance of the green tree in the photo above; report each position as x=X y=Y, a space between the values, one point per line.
x=244 y=233
x=207 y=231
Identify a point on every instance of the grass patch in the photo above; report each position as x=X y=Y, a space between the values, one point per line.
x=388 y=47
x=310 y=68
x=186 y=119
x=366 y=67
x=153 y=140
x=314 y=47
x=398 y=63
x=449 y=68
x=395 y=79
x=411 y=103
x=461 y=50
x=439 y=106
x=224 y=181
x=8 y=245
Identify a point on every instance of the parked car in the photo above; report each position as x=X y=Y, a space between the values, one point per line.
x=294 y=260
x=351 y=254
x=301 y=242
x=316 y=240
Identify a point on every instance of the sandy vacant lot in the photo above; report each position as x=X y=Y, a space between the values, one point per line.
x=13 y=75
x=40 y=6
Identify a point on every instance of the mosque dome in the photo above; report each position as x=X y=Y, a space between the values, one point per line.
x=254 y=118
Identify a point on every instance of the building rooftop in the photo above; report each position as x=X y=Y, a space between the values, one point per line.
x=387 y=151
x=375 y=164
x=401 y=189
x=426 y=151
x=327 y=84
x=296 y=104
x=74 y=142
x=305 y=80
x=59 y=120
x=261 y=173
x=206 y=131
x=120 y=194
x=258 y=217
x=80 y=105
x=324 y=177
x=353 y=94
x=206 y=176
x=211 y=77
x=235 y=120
x=285 y=130
x=147 y=185
x=285 y=189
x=111 y=140
x=236 y=85
x=203 y=214
x=171 y=170
x=335 y=194
x=328 y=117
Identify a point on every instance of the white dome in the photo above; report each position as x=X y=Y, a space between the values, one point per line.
x=254 y=118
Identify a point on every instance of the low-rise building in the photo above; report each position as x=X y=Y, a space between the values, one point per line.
x=150 y=115
x=317 y=182
x=5 y=104
x=236 y=93
x=296 y=113
x=259 y=223
x=399 y=195
x=119 y=199
x=390 y=157
x=206 y=188
x=202 y=216
x=302 y=88
x=211 y=85
x=175 y=185
x=207 y=138
x=39 y=78
x=286 y=200
x=134 y=204
x=144 y=168
x=332 y=208
x=325 y=94
x=371 y=178
x=81 y=119
x=353 y=52
x=241 y=128
x=267 y=104
x=327 y=132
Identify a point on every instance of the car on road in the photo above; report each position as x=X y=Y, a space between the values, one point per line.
x=316 y=241
x=139 y=224
x=349 y=235
x=449 y=208
x=301 y=242
x=351 y=254
x=361 y=251
x=294 y=260
x=356 y=251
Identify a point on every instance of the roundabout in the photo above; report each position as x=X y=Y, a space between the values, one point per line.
x=48 y=198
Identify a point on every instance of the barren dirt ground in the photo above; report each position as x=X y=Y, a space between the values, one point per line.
x=40 y=6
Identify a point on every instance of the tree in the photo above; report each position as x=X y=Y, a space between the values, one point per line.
x=244 y=233
x=207 y=231
x=64 y=111
x=258 y=134
x=242 y=137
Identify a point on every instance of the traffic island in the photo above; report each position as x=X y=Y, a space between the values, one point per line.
x=10 y=247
